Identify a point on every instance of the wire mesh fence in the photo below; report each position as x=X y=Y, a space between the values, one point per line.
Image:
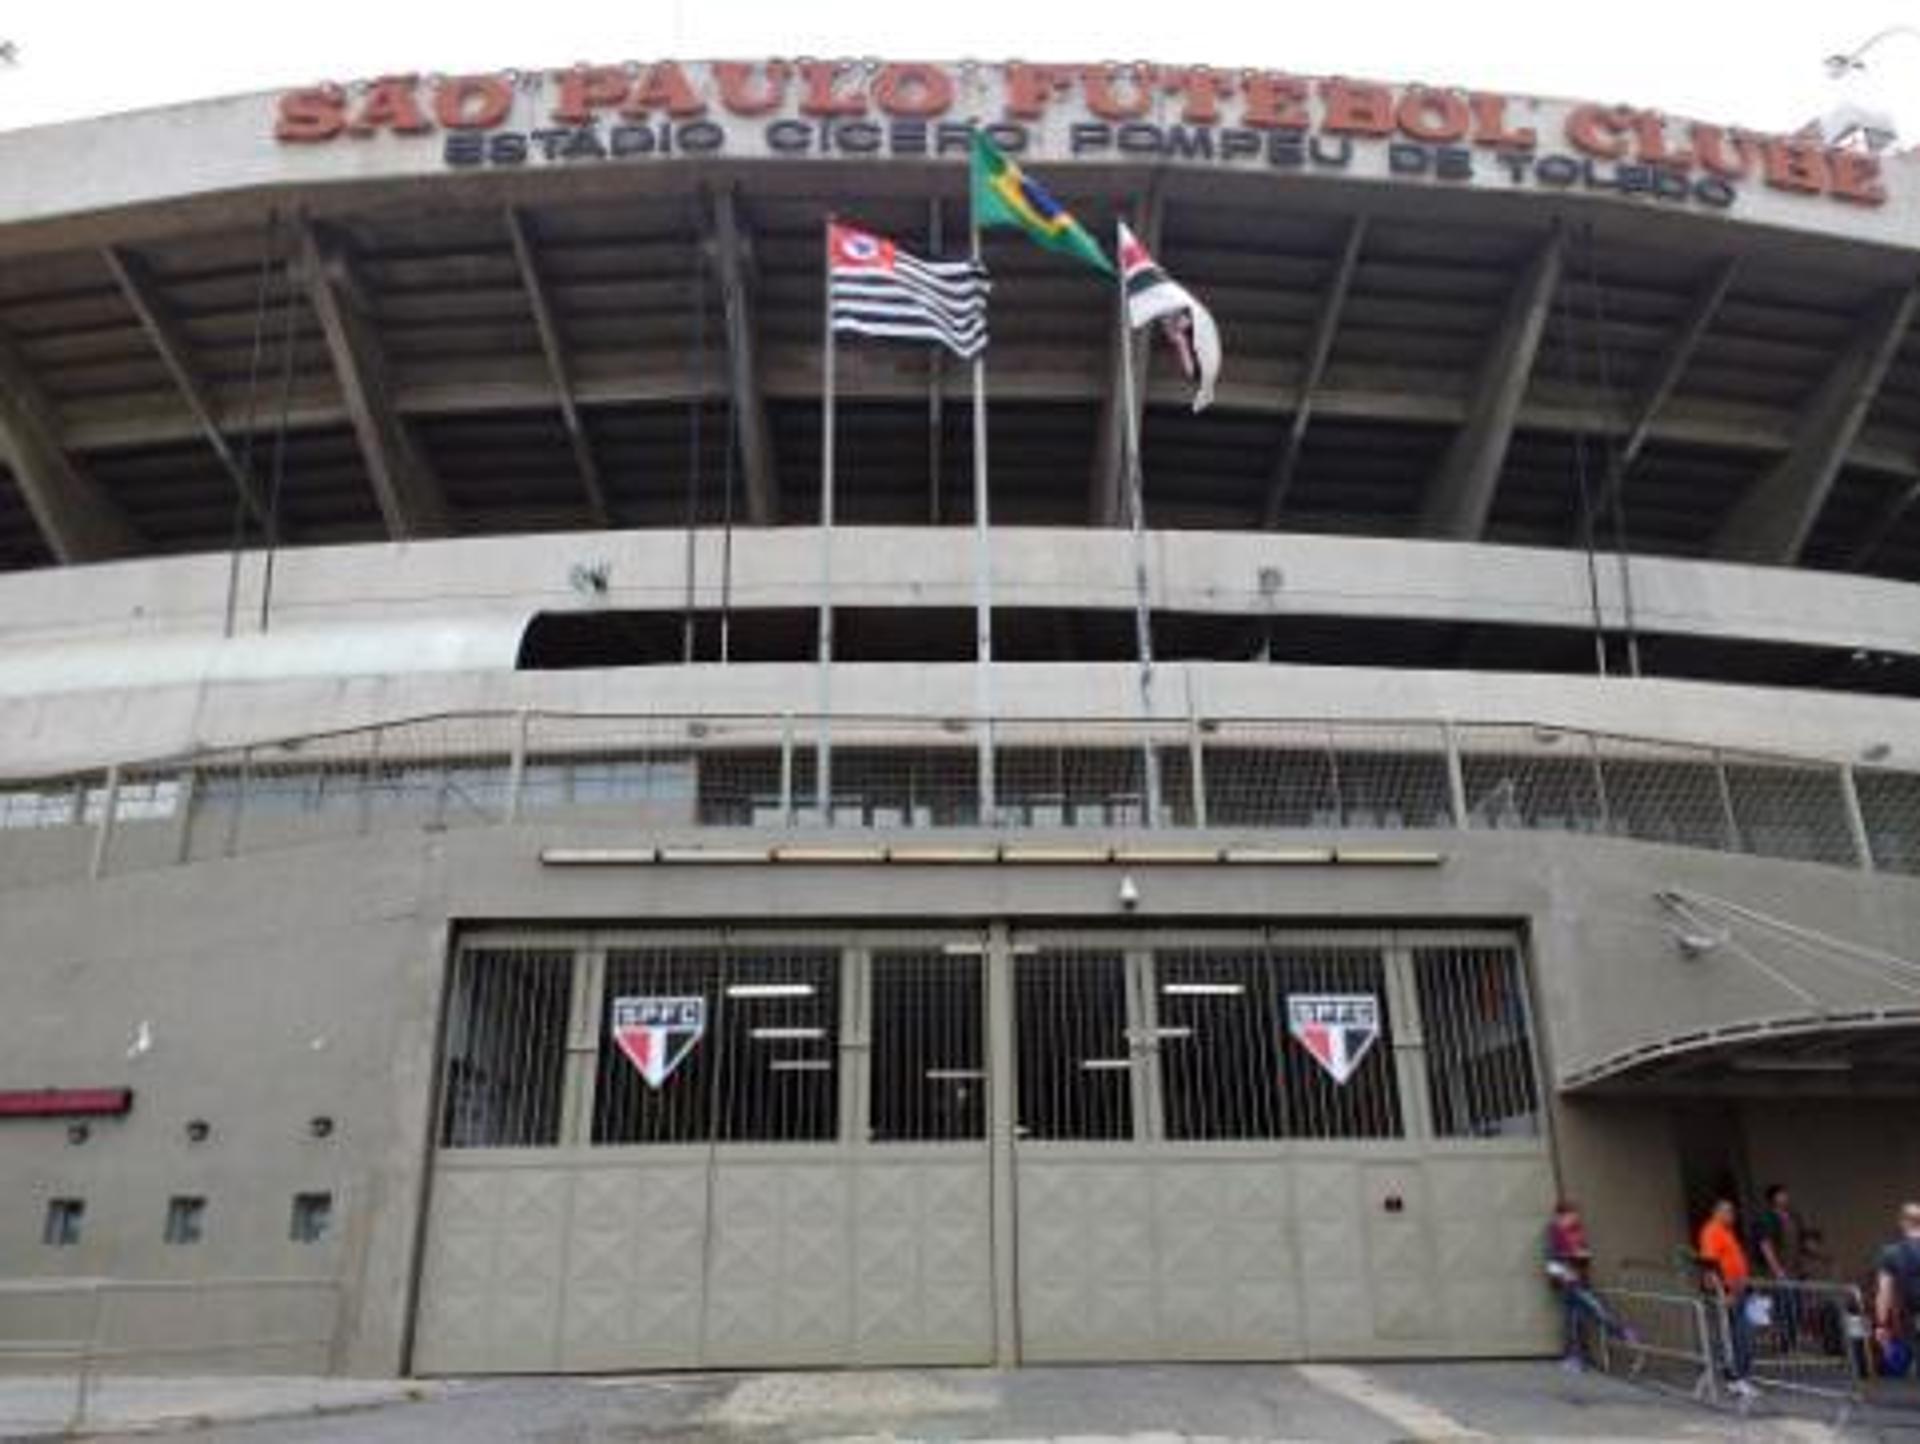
x=1325 y=775
x=1660 y=792
x=1890 y=810
x=895 y=774
x=1538 y=778
x=1783 y=809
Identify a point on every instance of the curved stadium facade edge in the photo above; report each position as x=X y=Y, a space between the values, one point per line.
x=453 y=920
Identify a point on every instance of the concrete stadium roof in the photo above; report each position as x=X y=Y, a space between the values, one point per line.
x=214 y=335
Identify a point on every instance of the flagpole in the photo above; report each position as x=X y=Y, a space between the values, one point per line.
x=982 y=564
x=1136 y=515
x=823 y=757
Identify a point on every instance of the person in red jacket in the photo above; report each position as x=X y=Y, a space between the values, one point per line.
x=1724 y=1261
x=1570 y=1269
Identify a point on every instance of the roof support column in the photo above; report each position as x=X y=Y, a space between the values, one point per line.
x=751 y=431
x=409 y=494
x=1460 y=497
x=76 y=517
x=142 y=293
x=554 y=348
x=1673 y=364
x=1770 y=524
x=1326 y=326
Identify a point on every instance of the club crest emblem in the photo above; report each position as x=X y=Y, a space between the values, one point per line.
x=657 y=1034
x=1338 y=1029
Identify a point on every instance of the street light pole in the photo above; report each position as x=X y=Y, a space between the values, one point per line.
x=1856 y=58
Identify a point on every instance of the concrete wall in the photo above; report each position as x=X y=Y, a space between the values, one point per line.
x=1849 y=1165
x=277 y=987
x=453 y=605
x=257 y=998
x=125 y=661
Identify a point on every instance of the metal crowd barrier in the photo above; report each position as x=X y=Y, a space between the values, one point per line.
x=1803 y=1336
x=89 y=1316
x=1673 y=1346
x=890 y=773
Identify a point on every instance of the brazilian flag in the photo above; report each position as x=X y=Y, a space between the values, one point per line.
x=1004 y=195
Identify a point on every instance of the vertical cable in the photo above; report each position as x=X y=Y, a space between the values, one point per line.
x=279 y=454
x=1618 y=507
x=268 y=238
x=696 y=393
x=726 y=530
x=1572 y=370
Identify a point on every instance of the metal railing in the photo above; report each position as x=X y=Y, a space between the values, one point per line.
x=93 y=1326
x=665 y=773
x=1672 y=1345
x=1802 y=1337
x=1808 y=1336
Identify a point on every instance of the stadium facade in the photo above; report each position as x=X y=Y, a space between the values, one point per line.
x=441 y=932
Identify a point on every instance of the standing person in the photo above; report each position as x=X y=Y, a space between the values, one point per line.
x=1722 y=1259
x=1570 y=1267
x=1778 y=1238
x=1896 y=1294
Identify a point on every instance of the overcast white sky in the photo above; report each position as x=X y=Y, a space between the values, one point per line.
x=1756 y=64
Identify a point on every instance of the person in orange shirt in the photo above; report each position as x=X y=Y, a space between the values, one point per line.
x=1723 y=1259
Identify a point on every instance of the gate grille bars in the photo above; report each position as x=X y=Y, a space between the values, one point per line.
x=1190 y=1038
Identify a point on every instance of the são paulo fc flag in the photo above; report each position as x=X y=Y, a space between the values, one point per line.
x=1153 y=295
x=1338 y=1029
x=657 y=1034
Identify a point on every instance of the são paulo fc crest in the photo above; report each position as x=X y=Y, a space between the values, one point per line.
x=657 y=1034
x=1337 y=1028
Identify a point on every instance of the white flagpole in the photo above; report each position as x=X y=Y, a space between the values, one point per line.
x=982 y=565
x=1136 y=516
x=823 y=757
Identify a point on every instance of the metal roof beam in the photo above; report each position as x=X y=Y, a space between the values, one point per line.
x=1326 y=326
x=142 y=292
x=554 y=347
x=1666 y=378
x=755 y=438
x=1771 y=523
x=409 y=495
x=1107 y=487
x=790 y=375
x=76 y=517
x=1460 y=497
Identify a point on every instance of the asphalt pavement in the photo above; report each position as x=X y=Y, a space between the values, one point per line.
x=1145 y=1404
